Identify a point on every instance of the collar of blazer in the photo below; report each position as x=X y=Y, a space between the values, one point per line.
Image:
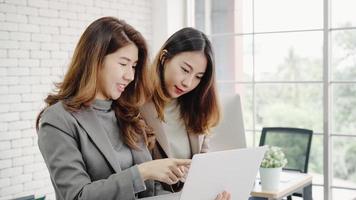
x=150 y=115
x=89 y=122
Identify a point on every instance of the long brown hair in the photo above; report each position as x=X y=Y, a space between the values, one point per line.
x=80 y=85
x=199 y=109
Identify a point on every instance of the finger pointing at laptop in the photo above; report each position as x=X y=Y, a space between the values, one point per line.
x=169 y=170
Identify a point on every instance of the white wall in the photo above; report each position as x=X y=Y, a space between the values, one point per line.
x=37 y=38
x=168 y=16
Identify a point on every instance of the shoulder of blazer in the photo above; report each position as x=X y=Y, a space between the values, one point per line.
x=148 y=107
x=57 y=116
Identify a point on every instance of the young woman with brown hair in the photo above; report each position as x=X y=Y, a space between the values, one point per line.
x=91 y=134
x=184 y=104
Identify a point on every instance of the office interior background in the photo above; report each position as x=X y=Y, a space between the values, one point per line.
x=293 y=62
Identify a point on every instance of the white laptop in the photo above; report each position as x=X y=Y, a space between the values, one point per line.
x=230 y=132
x=211 y=173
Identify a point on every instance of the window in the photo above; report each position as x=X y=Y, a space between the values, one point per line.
x=273 y=56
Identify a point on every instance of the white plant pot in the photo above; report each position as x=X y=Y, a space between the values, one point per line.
x=270 y=178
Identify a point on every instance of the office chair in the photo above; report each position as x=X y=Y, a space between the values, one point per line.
x=295 y=144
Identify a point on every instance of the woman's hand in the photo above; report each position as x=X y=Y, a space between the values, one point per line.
x=169 y=170
x=185 y=170
x=223 y=196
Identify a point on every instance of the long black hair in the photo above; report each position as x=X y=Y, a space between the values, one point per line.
x=199 y=108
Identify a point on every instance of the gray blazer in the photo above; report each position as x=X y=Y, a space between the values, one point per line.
x=80 y=160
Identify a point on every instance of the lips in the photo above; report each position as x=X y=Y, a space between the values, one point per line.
x=120 y=87
x=177 y=90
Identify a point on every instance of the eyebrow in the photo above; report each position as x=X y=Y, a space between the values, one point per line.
x=191 y=68
x=127 y=59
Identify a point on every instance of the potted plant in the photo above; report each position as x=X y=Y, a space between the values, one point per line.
x=271 y=167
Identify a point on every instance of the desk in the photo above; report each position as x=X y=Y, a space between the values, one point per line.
x=290 y=182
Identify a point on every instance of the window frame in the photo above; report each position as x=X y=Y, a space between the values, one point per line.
x=326 y=81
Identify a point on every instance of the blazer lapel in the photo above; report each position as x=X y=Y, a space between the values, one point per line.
x=87 y=118
x=150 y=115
x=196 y=142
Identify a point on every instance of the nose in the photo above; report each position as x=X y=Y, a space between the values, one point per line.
x=129 y=75
x=187 y=81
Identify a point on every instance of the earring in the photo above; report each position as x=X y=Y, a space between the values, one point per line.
x=163 y=56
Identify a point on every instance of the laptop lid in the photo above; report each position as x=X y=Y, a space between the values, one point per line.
x=232 y=170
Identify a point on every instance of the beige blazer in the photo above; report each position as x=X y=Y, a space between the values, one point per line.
x=198 y=143
x=81 y=159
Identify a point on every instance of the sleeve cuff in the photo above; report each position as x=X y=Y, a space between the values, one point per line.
x=138 y=184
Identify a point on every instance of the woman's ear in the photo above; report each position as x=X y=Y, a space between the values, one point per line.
x=163 y=56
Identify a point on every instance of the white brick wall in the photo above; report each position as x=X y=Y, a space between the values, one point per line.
x=37 y=38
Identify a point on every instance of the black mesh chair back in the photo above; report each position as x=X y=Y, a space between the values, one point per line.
x=294 y=142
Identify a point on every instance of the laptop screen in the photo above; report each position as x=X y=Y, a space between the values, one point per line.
x=232 y=170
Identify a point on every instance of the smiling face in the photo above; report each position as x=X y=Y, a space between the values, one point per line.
x=184 y=72
x=117 y=72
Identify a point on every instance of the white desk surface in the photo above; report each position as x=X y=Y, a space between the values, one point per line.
x=290 y=182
